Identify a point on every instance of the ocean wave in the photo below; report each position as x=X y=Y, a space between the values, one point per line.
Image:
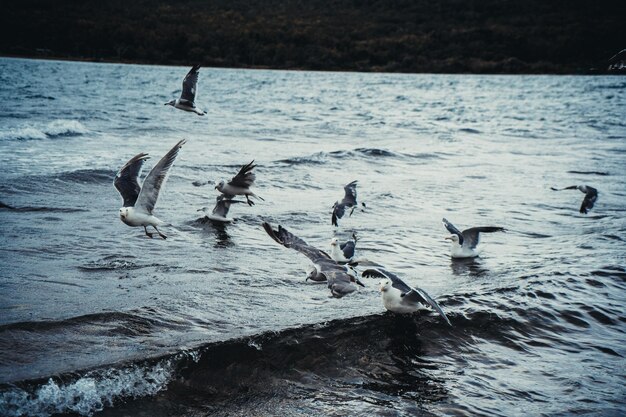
x=89 y=393
x=469 y=130
x=54 y=182
x=110 y=263
x=589 y=173
x=390 y=358
x=85 y=176
x=42 y=209
x=54 y=129
x=319 y=158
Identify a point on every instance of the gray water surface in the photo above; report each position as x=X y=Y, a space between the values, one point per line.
x=110 y=315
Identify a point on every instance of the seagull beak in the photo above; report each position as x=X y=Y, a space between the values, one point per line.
x=448 y=238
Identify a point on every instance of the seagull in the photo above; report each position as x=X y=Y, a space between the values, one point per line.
x=240 y=184
x=398 y=297
x=340 y=277
x=348 y=201
x=188 y=96
x=591 y=195
x=464 y=243
x=222 y=206
x=344 y=252
x=618 y=61
x=139 y=201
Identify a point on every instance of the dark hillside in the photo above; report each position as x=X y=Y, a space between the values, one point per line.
x=480 y=36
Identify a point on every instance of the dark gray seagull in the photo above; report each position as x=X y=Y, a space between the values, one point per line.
x=340 y=278
x=139 y=201
x=240 y=184
x=187 y=100
x=343 y=252
x=348 y=202
x=464 y=243
x=220 y=211
x=591 y=195
x=398 y=297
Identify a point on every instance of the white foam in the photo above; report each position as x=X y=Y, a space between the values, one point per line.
x=53 y=129
x=65 y=128
x=88 y=394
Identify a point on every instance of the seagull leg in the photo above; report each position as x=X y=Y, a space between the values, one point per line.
x=250 y=202
x=160 y=234
x=352 y=211
x=147 y=233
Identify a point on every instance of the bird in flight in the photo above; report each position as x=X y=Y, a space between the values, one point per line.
x=139 y=201
x=187 y=100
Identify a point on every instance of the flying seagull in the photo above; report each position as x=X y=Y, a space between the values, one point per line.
x=222 y=206
x=398 y=297
x=591 y=195
x=343 y=252
x=139 y=201
x=348 y=201
x=464 y=243
x=339 y=277
x=187 y=100
x=240 y=184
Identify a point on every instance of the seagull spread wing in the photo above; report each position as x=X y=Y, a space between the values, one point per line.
x=245 y=177
x=396 y=282
x=621 y=55
x=349 y=200
x=471 y=236
x=126 y=179
x=453 y=230
x=156 y=178
x=339 y=281
x=348 y=249
x=421 y=296
x=338 y=211
x=190 y=85
x=590 y=198
x=414 y=295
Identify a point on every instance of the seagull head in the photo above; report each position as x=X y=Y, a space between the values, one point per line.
x=333 y=242
x=453 y=239
x=384 y=285
x=170 y=103
x=219 y=185
x=123 y=213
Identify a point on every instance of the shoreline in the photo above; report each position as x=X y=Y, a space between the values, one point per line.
x=589 y=72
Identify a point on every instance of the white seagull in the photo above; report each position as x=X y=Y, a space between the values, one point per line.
x=398 y=297
x=139 y=201
x=348 y=201
x=344 y=252
x=340 y=277
x=591 y=195
x=220 y=211
x=240 y=184
x=464 y=243
x=187 y=100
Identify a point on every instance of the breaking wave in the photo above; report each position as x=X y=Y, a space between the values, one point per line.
x=319 y=158
x=54 y=129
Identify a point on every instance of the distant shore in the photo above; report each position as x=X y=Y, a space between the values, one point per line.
x=404 y=36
